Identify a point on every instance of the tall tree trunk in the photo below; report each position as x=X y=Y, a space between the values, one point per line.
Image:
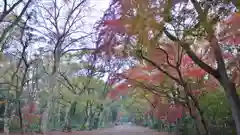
x=44 y=120
x=6 y=119
x=68 y=117
x=52 y=90
x=48 y=109
x=225 y=81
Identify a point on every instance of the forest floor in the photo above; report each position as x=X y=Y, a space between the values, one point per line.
x=117 y=130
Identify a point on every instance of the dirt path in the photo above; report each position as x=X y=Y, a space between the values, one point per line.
x=128 y=130
x=121 y=130
x=117 y=130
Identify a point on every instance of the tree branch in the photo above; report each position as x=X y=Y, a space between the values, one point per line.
x=192 y=55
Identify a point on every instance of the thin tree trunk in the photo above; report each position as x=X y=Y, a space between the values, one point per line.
x=44 y=123
x=86 y=115
x=233 y=99
x=66 y=120
x=193 y=115
x=20 y=116
x=69 y=113
x=59 y=115
x=201 y=114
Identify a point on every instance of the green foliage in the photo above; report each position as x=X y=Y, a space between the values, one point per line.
x=218 y=113
x=156 y=124
x=30 y=126
x=187 y=126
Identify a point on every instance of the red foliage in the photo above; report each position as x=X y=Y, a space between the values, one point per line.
x=121 y=87
x=186 y=60
x=234 y=40
x=170 y=112
x=32 y=107
x=112 y=94
x=230 y=33
x=115 y=25
x=27 y=112
x=195 y=72
x=227 y=55
x=188 y=68
x=234 y=18
x=174 y=113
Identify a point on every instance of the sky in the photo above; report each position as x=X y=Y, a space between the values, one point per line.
x=98 y=8
x=99 y=5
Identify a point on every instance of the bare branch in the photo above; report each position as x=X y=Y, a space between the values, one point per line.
x=7 y=12
x=16 y=21
x=159 y=68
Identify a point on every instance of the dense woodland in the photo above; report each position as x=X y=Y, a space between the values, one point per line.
x=170 y=65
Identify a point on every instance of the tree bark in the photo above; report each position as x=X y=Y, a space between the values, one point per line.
x=20 y=116
x=52 y=91
x=233 y=99
x=6 y=119
x=225 y=81
x=66 y=127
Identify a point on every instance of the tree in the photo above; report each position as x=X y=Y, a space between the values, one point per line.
x=60 y=38
x=9 y=18
x=171 y=23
